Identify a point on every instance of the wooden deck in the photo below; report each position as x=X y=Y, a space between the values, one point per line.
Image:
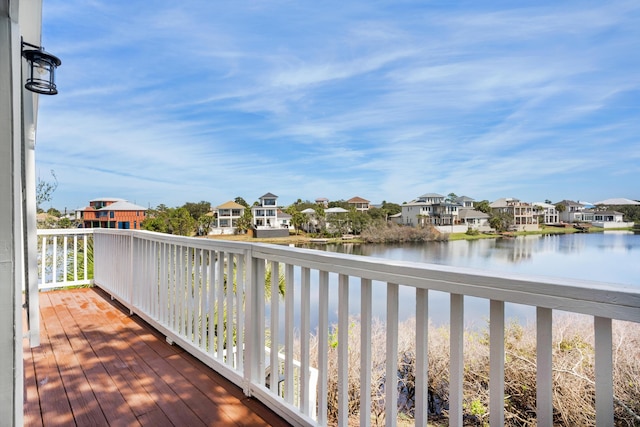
x=98 y=366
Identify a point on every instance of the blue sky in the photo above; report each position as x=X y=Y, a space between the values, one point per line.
x=172 y=102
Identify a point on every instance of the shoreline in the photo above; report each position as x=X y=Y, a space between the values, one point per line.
x=305 y=239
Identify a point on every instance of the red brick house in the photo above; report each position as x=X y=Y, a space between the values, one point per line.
x=111 y=213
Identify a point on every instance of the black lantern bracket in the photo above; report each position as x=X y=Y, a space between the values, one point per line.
x=42 y=66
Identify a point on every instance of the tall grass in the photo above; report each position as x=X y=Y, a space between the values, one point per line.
x=573 y=373
x=393 y=233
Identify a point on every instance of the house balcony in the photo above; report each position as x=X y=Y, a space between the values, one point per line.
x=244 y=318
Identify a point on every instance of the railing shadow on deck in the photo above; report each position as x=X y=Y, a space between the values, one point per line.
x=267 y=301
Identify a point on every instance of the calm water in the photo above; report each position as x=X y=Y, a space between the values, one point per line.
x=612 y=257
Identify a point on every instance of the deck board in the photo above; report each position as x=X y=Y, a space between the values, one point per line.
x=97 y=365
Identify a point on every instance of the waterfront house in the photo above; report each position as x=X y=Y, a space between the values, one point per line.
x=573 y=212
x=227 y=216
x=284 y=219
x=336 y=219
x=111 y=213
x=609 y=219
x=265 y=218
x=435 y=209
x=419 y=212
x=464 y=201
x=547 y=212
x=523 y=214
x=474 y=219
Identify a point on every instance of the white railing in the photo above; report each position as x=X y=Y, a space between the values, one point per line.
x=61 y=257
x=208 y=295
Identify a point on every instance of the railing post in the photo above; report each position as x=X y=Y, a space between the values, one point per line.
x=366 y=298
x=323 y=345
x=544 y=359
x=253 y=311
x=305 y=332
x=132 y=258
x=456 y=374
x=496 y=361
x=343 y=350
x=289 y=338
x=604 y=371
x=422 y=357
x=391 y=380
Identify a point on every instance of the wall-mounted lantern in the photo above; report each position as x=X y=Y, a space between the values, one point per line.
x=42 y=66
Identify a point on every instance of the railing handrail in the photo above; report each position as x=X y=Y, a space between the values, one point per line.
x=64 y=231
x=615 y=301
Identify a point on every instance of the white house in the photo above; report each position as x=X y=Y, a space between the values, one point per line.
x=266 y=218
x=335 y=218
x=464 y=201
x=265 y=213
x=419 y=212
x=548 y=212
x=284 y=219
x=434 y=209
x=573 y=212
x=474 y=219
x=609 y=219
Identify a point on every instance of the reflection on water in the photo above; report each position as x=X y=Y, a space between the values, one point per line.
x=606 y=257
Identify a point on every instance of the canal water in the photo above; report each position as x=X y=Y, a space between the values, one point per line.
x=611 y=257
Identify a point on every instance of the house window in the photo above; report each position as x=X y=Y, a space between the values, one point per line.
x=112 y=214
x=124 y=225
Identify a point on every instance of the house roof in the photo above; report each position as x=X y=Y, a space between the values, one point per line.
x=335 y=210
x=464 y=199
x=122 y=205
x=230 y=205
x=357 y=199
x=430 y=195
x=308 y=211
x=569 y=203
x=605 y=212
x=471 y=213
x=107 y=199
x=268 y=195
x=617 y=202
x=544 y=205
x=504 y=202
x=283 y=215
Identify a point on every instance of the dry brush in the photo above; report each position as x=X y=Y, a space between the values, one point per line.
x=573 y=373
